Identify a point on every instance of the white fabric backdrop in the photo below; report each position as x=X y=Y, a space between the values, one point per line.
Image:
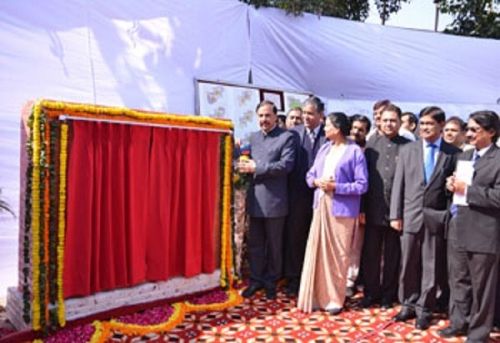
x=146 y=54
x=341 y=59
x=139 y=54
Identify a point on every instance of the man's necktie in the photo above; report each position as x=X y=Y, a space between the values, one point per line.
x=475 y=157
x=311 y=137
x=429 y=161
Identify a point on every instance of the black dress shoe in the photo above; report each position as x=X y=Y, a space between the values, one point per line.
x=404 y=315
x=292 y=289
x=271 y=293
x=451 y=332
x=250 y=291
x=386 y=304
x=422 y=323
x=367 y=302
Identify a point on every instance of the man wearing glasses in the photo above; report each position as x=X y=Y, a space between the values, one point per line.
x=474 y=234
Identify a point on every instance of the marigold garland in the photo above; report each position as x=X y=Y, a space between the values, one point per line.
x=83 y=110
x=227 y=220
x=63 y=160
x=104 y=330
x=35 y=220
x=233 y=298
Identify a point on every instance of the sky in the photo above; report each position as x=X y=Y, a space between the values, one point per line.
x=417 y=14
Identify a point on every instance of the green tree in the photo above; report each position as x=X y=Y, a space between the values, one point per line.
x=387 y=7
x=347 y=9
x=479 y=18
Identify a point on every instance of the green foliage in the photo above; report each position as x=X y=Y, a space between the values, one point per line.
x=347 y=9
x=387 y=7
x=478 y=18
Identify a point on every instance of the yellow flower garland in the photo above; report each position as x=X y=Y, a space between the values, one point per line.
x=183 y=120
x=63 y=160
x=233 y=298
x=226 y=237
x=103 y=330
x=35 y=218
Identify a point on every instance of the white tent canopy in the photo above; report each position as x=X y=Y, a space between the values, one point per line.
x=146 y=54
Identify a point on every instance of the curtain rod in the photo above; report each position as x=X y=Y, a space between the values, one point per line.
x=67 y=117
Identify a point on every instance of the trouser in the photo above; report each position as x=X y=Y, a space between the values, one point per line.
x=265 y=249
x=380 y=239
x=423 y=263
x=473 y=282
x=296 y=233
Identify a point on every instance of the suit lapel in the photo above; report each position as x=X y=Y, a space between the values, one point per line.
x=419 y=156
x=441 y=158
x=485 y=160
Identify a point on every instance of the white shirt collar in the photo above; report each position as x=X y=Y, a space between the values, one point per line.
x=437 y=142
x=483 y=150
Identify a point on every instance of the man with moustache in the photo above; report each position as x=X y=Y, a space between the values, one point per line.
x=309 y=138
x=294 y=117
x=381 y=152
x=474 y=234
x=360 y=126
x=419 y=208
x=272 y=158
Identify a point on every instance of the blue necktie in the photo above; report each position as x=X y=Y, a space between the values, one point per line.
x=475 y=157
x=429 y=161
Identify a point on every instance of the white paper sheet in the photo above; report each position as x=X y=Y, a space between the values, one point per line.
x=465 y=172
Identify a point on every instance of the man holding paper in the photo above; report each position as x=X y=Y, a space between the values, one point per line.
x=474 y=235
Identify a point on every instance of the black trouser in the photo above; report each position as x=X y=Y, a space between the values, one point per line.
x=422 y=266
x=265 y=249
x=296 y=234
x=378 y=240
x=473 y=283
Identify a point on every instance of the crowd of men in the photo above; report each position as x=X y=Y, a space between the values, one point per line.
x=412 y=244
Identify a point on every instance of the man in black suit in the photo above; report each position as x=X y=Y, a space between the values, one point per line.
x=309 y=137
x=474 y=234
x=419 y=207
x=381 y=153
x=273 y=157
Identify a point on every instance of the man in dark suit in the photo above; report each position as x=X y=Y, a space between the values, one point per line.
x=273 y=157
x=474 y=234
x=419 y=207
x=309 y=138
x=381 y=153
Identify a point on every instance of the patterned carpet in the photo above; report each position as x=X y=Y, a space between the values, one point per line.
x=261 y=320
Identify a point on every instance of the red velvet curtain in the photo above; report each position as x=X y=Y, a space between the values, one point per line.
x=142 y=205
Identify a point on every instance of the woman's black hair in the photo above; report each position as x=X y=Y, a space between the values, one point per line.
x=341 y=121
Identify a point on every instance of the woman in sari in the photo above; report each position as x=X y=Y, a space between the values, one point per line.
x=340 y=177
